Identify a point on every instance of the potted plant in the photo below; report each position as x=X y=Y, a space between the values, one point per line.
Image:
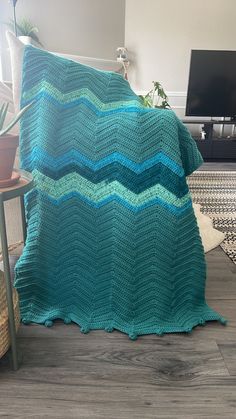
x=23 y=29
x=26 y=31
x=8 y=145
x=155 y=98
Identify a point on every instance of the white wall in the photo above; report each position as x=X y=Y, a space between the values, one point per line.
x=83 y=27
x=161 y=33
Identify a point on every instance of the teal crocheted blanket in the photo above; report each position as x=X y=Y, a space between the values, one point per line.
x=112 y=239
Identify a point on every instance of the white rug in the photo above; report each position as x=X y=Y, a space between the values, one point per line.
x=211 y=237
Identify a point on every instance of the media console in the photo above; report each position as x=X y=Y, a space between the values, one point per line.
x=213 y=147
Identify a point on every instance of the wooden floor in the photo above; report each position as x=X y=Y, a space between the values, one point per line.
x=65 y=374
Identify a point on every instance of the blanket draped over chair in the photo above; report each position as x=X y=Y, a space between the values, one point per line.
x=112 y=239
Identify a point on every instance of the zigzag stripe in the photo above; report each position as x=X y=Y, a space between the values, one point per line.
x=98 y=192
x=136 y=183
x=87 y=103
x=72 y=96
x=75 y=157
x=80 y=129
x=135 y=208
x=77 y=230
x=74 y=76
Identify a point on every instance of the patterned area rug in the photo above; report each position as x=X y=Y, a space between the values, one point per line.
x=215 y=191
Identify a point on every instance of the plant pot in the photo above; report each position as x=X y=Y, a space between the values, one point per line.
x=27 y=40
x=8 y=146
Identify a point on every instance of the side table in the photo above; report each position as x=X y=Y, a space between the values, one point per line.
x=25 y=184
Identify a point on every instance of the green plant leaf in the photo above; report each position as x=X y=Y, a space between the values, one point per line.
x=3 y=114
x=25 y=28
x=33 y=30
x=15 y=120
x=146 y=101
x=158 y=93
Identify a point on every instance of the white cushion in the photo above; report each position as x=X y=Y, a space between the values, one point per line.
x=211 y=237
x=17 y=51
x=98 y=63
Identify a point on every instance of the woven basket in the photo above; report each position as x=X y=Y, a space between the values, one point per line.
x=4 y=328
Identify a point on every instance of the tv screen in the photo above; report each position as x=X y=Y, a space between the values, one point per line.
x=212 y=84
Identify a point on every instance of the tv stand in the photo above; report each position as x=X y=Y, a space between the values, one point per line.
x=215 y=148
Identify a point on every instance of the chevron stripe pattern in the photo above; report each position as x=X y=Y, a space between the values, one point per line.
x=112 y=239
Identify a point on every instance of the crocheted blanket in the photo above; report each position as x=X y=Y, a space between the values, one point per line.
x=112 y=238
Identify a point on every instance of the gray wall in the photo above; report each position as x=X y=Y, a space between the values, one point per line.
x=161 y=33
x=83 y=27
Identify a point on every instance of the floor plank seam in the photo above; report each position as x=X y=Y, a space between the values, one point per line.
x=225 y=363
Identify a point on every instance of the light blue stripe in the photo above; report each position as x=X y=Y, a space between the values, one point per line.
x=76 y=157
x=87 y=103
x=156 y=201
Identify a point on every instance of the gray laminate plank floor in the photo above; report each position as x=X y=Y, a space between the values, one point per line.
x=65 y=374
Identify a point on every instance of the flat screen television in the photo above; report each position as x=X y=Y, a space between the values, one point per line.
x=212 y=84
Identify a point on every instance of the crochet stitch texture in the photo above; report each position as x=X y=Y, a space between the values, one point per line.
x=112 y=239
